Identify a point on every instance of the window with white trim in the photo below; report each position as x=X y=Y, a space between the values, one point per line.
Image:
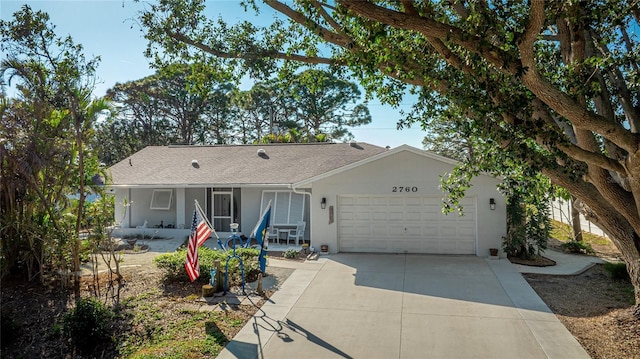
x=161 y=199
x=287 y=207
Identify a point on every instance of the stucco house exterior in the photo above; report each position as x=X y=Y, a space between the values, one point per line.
x=353 y=197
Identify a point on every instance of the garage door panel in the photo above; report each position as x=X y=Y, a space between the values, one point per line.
x=380 y=230
x=448 y=232
x=362 y=216
x=414 y=201
x=413 y=215
x=430 y=229
x=396 y=215
x=356 y=244
x=466 y=231
x=346 y=231
x=347 y=216
x=399 y=224
x=408 y=245
x=430 y=217
x=467 y=202
x=431 y=247
x=379 y=216
x=361 y=230
x=467 y=245
x=396 y=230
x=413 y=231
x=378 y=246
x=347 y=201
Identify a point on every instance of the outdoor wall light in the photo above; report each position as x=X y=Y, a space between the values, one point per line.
x=492 y=204
x=323 y=203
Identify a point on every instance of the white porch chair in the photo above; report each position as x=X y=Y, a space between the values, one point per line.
x=272 y=233
x=297 y=234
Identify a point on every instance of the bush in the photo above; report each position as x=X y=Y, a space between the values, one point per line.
x=577 y=247
x=85 y=251
x=88 y=325
x=291 y=254
x=617 y=271
x=173 y=263
x=527 y=226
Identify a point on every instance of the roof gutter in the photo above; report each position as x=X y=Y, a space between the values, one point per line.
x=199 y=185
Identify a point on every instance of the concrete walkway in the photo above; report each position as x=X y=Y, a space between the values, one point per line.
x=404 y=306
x=566 y=264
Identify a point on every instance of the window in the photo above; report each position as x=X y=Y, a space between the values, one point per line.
x=161 y=199
x=287 y=207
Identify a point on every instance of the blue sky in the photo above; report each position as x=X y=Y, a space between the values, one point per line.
x=108 y=29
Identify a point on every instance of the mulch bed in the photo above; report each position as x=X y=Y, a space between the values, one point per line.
x=128 y=249
x=280 y=255
x=538 y=261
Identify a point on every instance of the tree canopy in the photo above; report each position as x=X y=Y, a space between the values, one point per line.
x=200 y=104
x=46 y=157
x=553 y=84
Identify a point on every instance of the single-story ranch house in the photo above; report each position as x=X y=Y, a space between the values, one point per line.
x=352 y=197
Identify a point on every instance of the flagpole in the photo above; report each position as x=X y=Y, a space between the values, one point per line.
x=262 y=260
x=204 y=217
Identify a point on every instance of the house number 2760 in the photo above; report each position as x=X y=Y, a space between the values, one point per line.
x=404 y=189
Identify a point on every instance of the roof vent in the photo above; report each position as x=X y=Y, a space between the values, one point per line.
x=355 y=145
x=263 y=154
x=195 y=164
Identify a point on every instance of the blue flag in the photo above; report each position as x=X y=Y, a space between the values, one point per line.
x=260 y=234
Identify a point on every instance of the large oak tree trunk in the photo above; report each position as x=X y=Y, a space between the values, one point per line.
x=612 y=222
x=625 y=239
x=575 y=221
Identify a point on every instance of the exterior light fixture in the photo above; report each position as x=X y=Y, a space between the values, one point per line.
x=492 y=204
x=323 y=203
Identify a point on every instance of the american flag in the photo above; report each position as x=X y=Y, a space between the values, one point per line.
x=200 y=231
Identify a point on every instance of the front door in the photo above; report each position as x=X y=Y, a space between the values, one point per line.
x=222 y=211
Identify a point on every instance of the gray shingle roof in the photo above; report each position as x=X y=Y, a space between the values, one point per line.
x=237 y=164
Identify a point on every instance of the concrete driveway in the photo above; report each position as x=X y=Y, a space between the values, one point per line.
x=404 y=306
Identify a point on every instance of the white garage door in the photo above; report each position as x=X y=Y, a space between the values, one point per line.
x=404 y=225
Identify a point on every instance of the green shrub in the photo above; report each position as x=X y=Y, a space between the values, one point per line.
x=527 y=223
x=578 y=247
x=173 y=263
x=88 y=325
x=291 y=254
x=617 y=271
x=85 y=251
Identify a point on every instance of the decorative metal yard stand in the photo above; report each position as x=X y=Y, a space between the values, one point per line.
x=233 y=242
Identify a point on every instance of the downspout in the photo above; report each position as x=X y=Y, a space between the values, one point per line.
x=297 y=191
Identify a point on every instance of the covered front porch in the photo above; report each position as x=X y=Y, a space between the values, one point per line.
x=155 y=212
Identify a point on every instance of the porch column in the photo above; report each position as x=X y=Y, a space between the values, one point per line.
x=180 y=207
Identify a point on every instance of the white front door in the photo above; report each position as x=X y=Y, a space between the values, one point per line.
x=398 y=224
